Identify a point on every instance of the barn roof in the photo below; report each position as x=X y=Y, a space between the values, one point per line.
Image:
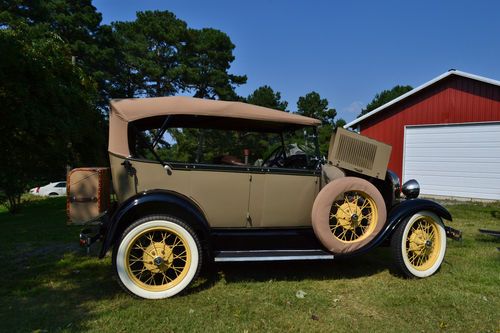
x=419 y=88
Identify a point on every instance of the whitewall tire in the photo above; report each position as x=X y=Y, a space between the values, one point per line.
x=157 y=257
x=419 y=245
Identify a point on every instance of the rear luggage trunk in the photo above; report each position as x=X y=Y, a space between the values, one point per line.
x=88 y=194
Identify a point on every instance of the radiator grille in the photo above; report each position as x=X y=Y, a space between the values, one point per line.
x=356 y=152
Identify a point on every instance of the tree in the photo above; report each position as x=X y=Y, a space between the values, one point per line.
x=49 y=117
x=149 y=63
x=206 y=59
x=312 y=105
x=265 y=96
x=340 y=123
x=76 y=22
x=384 y=97
x=158 y=55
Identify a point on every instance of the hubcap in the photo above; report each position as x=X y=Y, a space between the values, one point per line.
x=353 y=217
x=157 y=257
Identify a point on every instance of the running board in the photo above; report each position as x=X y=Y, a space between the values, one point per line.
x=271 y=255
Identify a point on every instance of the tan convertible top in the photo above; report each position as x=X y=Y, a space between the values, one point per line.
x=124 y=111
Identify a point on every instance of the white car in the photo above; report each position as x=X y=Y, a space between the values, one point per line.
x=51 y=189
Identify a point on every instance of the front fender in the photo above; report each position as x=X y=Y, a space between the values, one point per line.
x=151 y=202
x=400 y=212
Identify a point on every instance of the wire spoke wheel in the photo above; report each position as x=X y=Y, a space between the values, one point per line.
x=157 y=257
x=422 y=243
x=353 y=217
x=419 y=245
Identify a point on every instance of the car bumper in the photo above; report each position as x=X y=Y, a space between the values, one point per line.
x=452 y=233
x=93 y=231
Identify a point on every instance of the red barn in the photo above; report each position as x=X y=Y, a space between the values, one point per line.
x=444 y=133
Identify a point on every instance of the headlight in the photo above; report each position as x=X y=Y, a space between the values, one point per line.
x=411 y=189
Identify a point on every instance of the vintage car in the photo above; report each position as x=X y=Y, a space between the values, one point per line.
x=198 y=181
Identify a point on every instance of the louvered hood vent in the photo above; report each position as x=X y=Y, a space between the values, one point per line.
x=352 y=151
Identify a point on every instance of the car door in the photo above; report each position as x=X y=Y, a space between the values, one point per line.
x=222 y=193
x=282 y=197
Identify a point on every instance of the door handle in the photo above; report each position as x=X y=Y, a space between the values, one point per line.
x=168 y=168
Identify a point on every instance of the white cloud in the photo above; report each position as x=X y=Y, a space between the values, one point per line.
x=354 y=107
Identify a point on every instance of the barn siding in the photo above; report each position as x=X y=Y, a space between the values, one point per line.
x=455 y=99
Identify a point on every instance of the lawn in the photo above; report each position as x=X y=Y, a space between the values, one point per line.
x=49 y=284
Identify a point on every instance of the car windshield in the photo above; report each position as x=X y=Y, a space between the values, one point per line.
x=289 y=149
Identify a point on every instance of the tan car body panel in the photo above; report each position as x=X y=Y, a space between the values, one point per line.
x=223 y=196
x=227 y=199
x=149 y=175
x=278 y=200
x=352 y=151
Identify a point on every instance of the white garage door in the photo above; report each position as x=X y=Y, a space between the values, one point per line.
x=454 y=160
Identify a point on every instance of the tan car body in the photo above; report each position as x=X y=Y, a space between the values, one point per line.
x=171 y=216
x=237 y=196
x=241 y=198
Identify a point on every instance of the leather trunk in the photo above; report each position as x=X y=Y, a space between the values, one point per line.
x=88 y=194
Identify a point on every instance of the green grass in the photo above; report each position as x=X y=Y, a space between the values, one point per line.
x=49 y=284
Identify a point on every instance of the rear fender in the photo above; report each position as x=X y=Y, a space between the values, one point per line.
x=152 y=202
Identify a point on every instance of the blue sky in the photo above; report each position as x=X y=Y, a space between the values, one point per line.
x=347 y=51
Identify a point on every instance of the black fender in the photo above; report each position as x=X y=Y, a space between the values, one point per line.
x=399 y=213
x=152 y=202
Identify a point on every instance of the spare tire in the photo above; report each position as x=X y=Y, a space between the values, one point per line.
x=347 y=214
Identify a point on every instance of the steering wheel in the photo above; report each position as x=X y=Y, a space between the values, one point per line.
x=308 y=156
x=276 y=158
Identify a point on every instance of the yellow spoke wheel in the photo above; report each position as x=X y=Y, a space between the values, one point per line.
x=422 y=243
x=419 y=244
x=157 y=257
x=353 y=217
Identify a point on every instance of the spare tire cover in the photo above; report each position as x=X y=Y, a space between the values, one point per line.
x=327 y=210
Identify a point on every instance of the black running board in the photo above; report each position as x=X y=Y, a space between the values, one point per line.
x=271 y=255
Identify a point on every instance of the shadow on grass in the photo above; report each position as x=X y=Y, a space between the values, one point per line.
x=484 y=238
x=47 y=282
x=346 y=268
x=495 y=214
x=55 y=286
x=54 y=291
